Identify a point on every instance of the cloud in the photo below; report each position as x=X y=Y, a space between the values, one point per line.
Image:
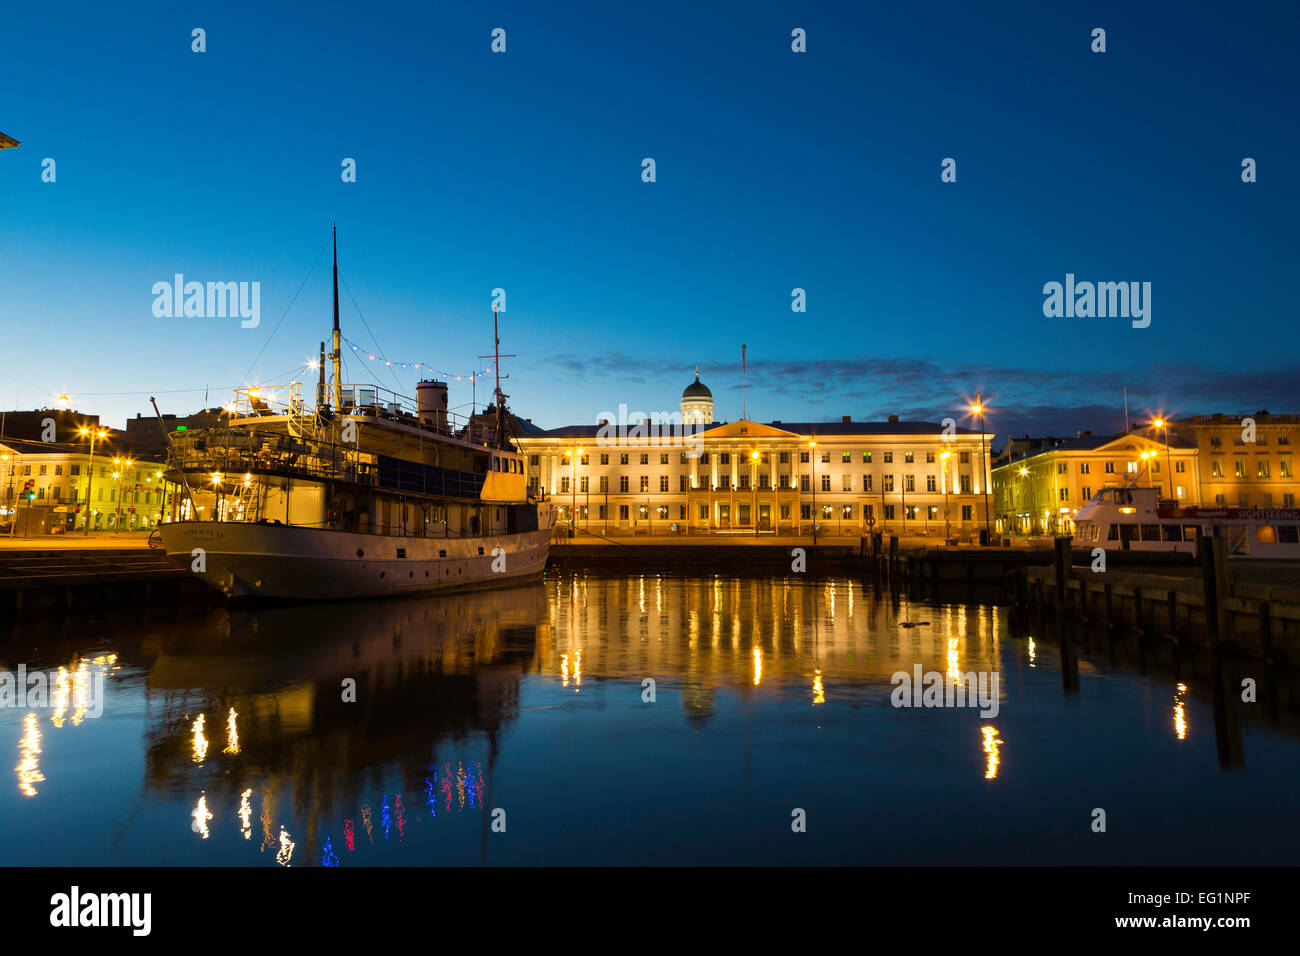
x=1020 y=400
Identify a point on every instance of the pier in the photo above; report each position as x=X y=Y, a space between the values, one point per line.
x=59 y=577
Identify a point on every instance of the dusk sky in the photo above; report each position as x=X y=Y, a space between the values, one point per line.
x=775 y=170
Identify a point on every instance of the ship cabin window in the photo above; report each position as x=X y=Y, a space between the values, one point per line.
x=1113 y=533
x=1288 y=534
x=1151 y=532
x=1172 y=532
x=1266 y=534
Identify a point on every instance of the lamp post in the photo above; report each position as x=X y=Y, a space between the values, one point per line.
x=1024 y=473
x=812 y=455
x=90 y=471
x=572 y=454
x=753 y=487
x=978 y=409
x=122 y=466
x=947 y=528
x=1164 y=425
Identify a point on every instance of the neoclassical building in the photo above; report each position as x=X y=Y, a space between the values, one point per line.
x=703 y=476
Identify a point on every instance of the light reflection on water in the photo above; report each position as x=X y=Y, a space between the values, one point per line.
x=516 y=727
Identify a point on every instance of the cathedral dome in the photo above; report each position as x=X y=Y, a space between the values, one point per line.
x=697 y=389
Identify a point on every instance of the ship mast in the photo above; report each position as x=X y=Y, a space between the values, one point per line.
x=498 y=396
x=337 y=356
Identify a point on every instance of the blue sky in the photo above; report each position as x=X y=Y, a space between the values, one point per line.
x=775 y=170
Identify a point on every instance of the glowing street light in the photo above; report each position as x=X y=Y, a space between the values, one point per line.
x=91 y=435
x=978 y=409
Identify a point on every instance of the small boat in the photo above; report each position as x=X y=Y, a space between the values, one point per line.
x=1138 y=519
x=363 y=495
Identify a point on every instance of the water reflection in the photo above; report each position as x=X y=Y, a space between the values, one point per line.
x=765 y=687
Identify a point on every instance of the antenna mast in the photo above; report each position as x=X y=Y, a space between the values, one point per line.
x=498 y=396
x=337 y=355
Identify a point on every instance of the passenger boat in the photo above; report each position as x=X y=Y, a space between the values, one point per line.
x=362 y=495
x=1138 y=519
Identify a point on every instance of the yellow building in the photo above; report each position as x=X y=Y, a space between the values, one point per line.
x=1039 y=492
x=1244 y=461
x=45 y=484
x=626 y=475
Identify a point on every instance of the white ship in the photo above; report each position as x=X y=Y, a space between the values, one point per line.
x=363 y=495
x=1138 y=519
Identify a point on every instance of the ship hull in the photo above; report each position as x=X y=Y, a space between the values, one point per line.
x=282 y=561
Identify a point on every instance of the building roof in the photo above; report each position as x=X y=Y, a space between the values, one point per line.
x=697 y=389
x=1095 y=442
x=797 y=428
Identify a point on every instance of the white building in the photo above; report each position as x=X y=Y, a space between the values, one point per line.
x=913 y=478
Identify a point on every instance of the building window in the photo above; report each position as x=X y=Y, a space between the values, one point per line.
x=805 y=512
x=58 y=469
x=866 y=482
x=1216 y=468
x=604 y=484
x=622 y=483
x=1288 y=499
x=907 y=457
x=1261 y=467
x=1110 y=468
x=704 y=458
x=909 y=482
x=783 y=458
x=645 y=459
x=889 y=512
x=1180 y=467
x=846 y=456
x=965 y=485
x=622 y=459
x=826 y=457
x=1284 y=468
x=582 y=484
x=704 y=512
x=724 y=458
x=74 y=470
x=929 y=458
x=805 y=483
x=783 y=481
x=785 y=512
x=846 y=512
x=682 y=483
x=866 y=458
x=803 y=457
x=1063 y=494
x=931 y=483
x=724 y=482
x=967 y=512
x=964 y=457
x=1087 y=493
x=583 y=460
x=846 y=482
x=663 y=458
x=1061 y=467
x=1221 y=500
x=681 y=512
x=1243 y=500
x=564 y=485
x=744 y=482
x=1239 y=465
x=887 y=483
x=1083 y=467
x=645 y=482
x=889 y=458
x=622 y=512
x=604 y=458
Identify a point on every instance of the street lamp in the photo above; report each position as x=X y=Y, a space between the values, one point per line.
x=813 y=456
x=1024 y=473
x=90 y=473
x=753 y=487
x=978 y=409
x=573 y=454
x=122 y=465
x=1163 y=424
x=947 y=527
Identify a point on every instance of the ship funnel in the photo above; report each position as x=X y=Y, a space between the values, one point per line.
x=431 y=404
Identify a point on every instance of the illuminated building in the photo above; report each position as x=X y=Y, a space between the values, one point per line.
x=698 y=476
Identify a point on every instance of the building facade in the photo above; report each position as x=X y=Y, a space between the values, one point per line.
x=1039 y=492
x=44 y=488
x=1244 y=461
x=747 y=477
